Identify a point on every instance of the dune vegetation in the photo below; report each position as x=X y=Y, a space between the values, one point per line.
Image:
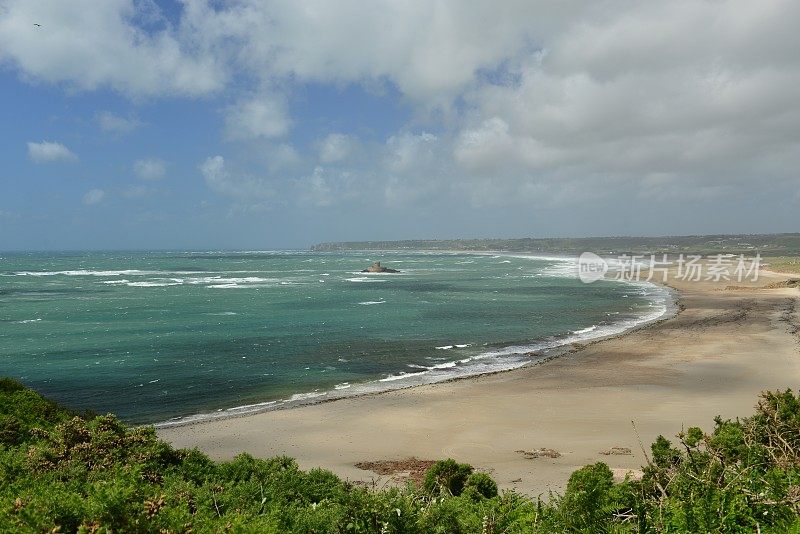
x=67 y=472
x=783 y=264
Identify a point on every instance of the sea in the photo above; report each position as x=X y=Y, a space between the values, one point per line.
x=168 y=338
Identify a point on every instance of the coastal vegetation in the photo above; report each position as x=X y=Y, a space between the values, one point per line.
x=66 y=472
x=784 y=264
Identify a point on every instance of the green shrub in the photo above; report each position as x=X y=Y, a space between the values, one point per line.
x=587 y=499
x=482 y=484
x=446 y=476
x=9 y=385
x=664 y=455
x=11 y=432
x=95 y=474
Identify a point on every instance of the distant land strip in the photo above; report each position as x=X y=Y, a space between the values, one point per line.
x=787 y=244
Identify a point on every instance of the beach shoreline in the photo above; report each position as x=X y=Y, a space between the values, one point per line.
x=538 y=356
x=671 y=373
x=672 y=310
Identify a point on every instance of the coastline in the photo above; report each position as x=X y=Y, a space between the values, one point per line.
x=529 y=355
x=711 y=359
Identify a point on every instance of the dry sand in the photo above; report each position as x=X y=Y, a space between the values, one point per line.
x=712 y=359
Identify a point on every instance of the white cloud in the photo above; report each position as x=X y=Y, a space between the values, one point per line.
x=336 y=147
x=429 y=50
x=214 y=172
x=316 y=189
x=243 y=187
x=150 y=169
x=695 y=91
x=94 y=196
x=49 y=151
x=281 y=157
x=326 y=187
x=556 y=99
x=414 y=167
x=116 y=124
x=260 y=116
x=562 y=100
x=406 y=151
x=90 y=44
x=491 y=146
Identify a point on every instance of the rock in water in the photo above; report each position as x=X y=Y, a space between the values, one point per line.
x=378 y=268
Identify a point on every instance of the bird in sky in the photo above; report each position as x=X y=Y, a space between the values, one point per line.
x=37 y=24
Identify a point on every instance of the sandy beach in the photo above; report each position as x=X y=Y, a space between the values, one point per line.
x=712 y=359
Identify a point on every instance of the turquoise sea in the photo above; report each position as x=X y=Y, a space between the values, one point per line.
x=166 y=337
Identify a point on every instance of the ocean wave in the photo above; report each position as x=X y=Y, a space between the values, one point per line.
x=564 y=269
x=371 y=302
x=586 y=330
x=363 y=279
x=89 y=272
x=222 y=282
x=436 y=367
x=401 y=376
x=306 y=396
x=250 y=406
x=152 y=284
x=27 y=321
x=165 y=278
x=229 y=280
x=222 y=413
x=78 y=273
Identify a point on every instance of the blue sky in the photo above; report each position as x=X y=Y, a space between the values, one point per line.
x=244 y=124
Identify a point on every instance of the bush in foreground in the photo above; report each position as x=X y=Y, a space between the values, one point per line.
x=446 y=477
x=75 y=473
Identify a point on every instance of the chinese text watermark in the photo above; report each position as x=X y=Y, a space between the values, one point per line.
x=661 y=268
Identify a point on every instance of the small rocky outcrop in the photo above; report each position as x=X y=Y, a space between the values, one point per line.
x=378 y=268
x=539 y=453
x=617 y=451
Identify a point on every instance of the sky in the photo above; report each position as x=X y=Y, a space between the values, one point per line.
x=249 y=124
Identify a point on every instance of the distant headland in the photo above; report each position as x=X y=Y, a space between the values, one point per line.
x=775 y=245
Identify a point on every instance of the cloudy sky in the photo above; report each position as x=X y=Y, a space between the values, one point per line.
x=278 y=124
